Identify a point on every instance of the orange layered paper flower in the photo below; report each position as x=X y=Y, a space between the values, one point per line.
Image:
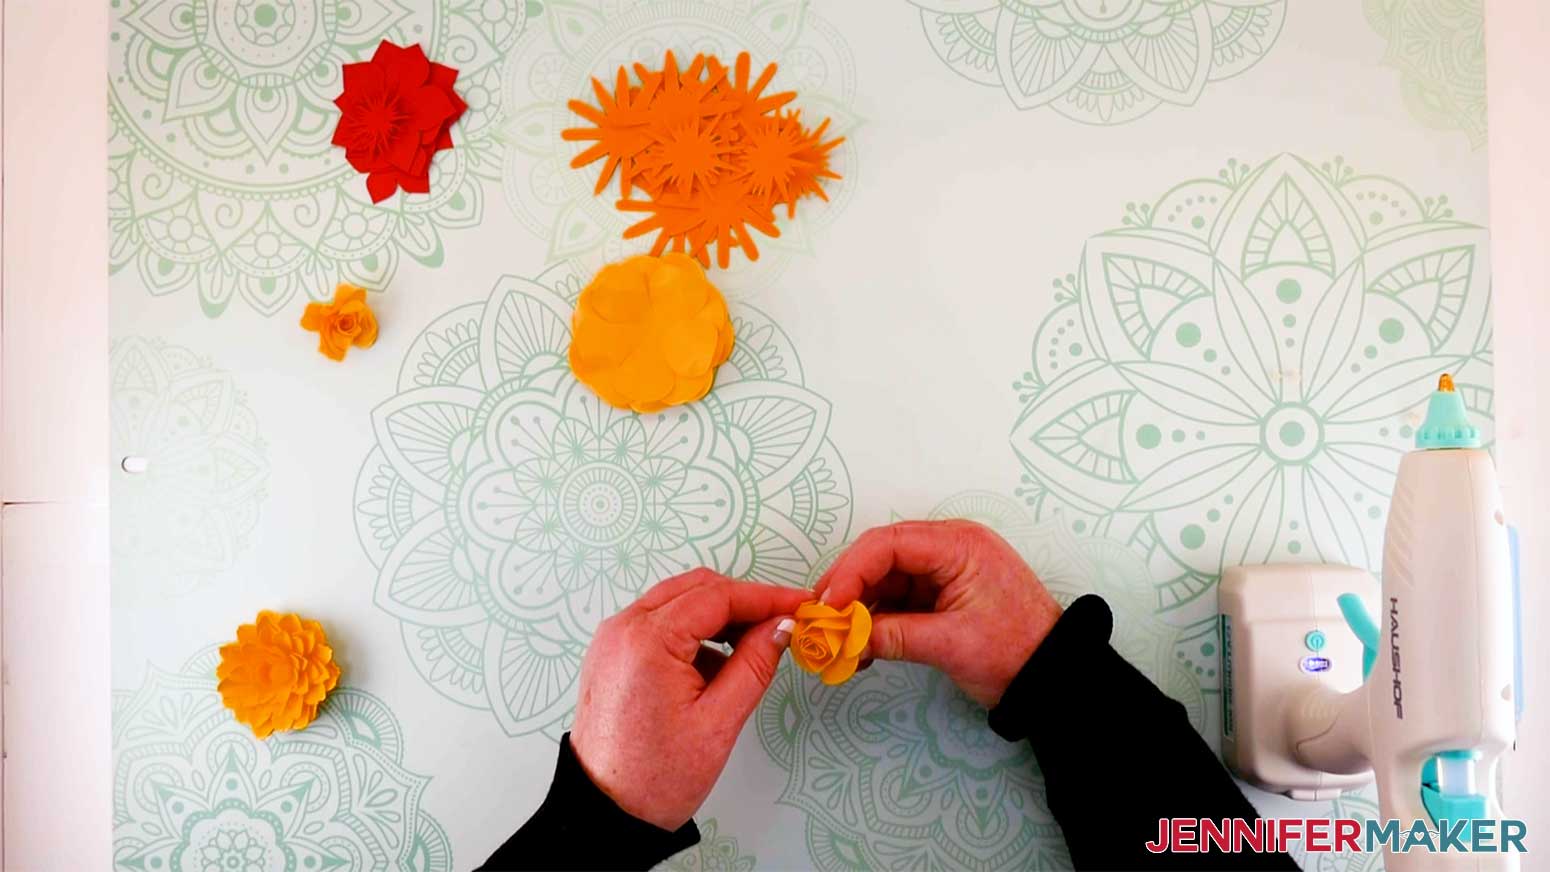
x=649 y=332
x=277 y=673
x=828 y=641
x=347 y=321
x=710 y=152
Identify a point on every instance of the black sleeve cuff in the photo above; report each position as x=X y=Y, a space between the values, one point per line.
x=580 y=827
x=1066 y=658
x=1117 y=754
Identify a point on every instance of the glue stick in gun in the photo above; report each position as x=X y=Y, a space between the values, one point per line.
x=1436 y=711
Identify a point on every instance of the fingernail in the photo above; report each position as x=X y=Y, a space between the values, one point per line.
x=826 y=594
x=783 y=631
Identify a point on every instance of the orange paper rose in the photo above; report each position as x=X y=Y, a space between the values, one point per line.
x=345 y=322
x=649 y=332
x=277 y=673
x=828 y=641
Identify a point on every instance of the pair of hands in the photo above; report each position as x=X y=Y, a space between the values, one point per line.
x=658 y=712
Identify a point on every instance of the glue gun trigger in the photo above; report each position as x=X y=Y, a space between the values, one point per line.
x=1363 y=626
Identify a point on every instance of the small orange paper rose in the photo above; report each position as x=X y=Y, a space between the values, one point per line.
x=277 y=673
x=828 y=641
x=345 y=322
x=649 y=332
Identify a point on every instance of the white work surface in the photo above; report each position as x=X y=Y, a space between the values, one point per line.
x=1174 y=313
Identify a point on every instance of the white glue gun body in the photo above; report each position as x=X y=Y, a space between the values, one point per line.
x=1436 y=710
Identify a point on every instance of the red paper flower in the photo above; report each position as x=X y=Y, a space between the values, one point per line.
x=396 y=111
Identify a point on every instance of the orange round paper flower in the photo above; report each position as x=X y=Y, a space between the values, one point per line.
x=828 y=641
x=649 y=332
x=347 y=321
x=277 y=673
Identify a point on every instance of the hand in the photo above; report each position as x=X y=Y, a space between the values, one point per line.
x=658 y=712
x=950 y=594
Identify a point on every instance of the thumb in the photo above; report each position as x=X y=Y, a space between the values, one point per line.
x=916 y=637
x=737 y=688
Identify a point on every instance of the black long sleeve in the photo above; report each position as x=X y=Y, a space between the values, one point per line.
x=579 y=827
x=1117 y=754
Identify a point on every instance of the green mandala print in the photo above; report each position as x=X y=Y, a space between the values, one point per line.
x=1361 y=806
x=1438 y=47
x=188 y=516
x=222 y=176
x=568 y=43
x=194 y=791
x=1232 y=376
x=897 y=769
x=1101 y=61
x=508 y=510
x=716 y=852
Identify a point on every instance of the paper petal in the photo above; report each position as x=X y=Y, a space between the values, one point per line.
x=645 y=378
x=619 y=294
x=860 y=631
x=816 y=610
x=839 y=671
x=689 y=347
x=381 y=185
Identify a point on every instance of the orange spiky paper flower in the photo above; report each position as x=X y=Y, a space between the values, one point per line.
x=713 y=153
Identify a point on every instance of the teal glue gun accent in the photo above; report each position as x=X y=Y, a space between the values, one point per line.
x=1362 y=625
x=1442 y=806
x=1447 y=423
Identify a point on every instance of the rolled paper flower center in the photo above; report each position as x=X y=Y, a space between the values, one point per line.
x=815 y=648
x=344 y=322
x=275 y=679
x=380 y=119
x=829 y=641
x=280 y=672
x=396 y=112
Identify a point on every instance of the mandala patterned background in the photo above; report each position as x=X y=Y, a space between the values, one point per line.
x=898 y=769
x=716 y=852
x=1226 y=371
x=1232 y=376
x=189 y=515
x=194 y=790
x=566 y=46
x=1100 y=61
x=509 y=511
x=223 y=178
x=1438 y=47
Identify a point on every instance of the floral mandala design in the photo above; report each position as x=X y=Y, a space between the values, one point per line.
x=222 y=174
x=193 y=791
x=1438 y=46
x=897 y=769
x=1101 y=61
x=189 y=514
x=1362 y=806
x=716 y=852
x=509 y=511
x=1233 y=376
x=567 y=44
